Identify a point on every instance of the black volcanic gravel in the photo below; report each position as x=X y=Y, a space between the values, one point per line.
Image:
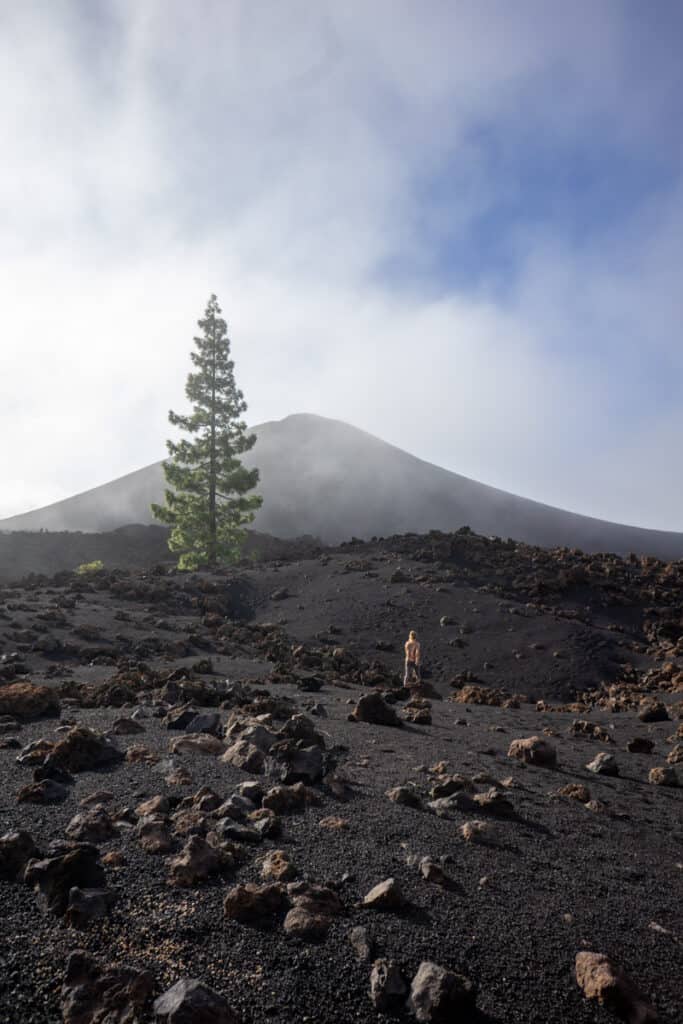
x=559 y=878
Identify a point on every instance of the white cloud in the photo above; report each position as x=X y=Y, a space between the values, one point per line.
x=270 y=153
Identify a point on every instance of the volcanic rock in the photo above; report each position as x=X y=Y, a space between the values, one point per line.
x=653 y=711
x=249 y=903
x=450 y=806
x=83 y=749
x=245 y=755
x=675 y=755
x=534 y=750
x=388 y=988
x=371 y=708
x=197 y=743
x=277 y=867
x=435 y=874
x=600 y=978
x=16 y=849
x=361 y=944
x=476 y=831
x=385 y=895
x=196 y=862
x=663 y=776
x=405 y=795
x=191 y=1002
x=26 y=701
x=45 y=792
x=54 y=877
x=206 y=721
x=92 y=994
x=283 y=799
x=290 y=763
x=439 y=995
x=154 y=805
x=93 y=826
x=86 y=905
x=640 y=745
x=313 y=908
x=496 y=803
x=154 y=835
x=580 y=727
x=603 y=764
x=126 y=727
x=575 y=791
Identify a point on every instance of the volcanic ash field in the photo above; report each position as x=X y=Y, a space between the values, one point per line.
x=220 y=804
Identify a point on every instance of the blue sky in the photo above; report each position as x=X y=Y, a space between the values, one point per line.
x=471 y=211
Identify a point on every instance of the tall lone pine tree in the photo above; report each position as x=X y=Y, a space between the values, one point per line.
x=207 y=504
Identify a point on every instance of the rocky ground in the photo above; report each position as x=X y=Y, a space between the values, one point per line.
x=205 y=777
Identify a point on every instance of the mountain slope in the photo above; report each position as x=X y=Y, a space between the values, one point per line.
x=329 y=479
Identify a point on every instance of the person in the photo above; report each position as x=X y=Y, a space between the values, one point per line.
x=412 y=649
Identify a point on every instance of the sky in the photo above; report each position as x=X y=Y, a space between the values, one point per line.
x=457 y=225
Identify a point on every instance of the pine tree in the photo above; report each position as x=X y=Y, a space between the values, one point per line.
x=207 y=504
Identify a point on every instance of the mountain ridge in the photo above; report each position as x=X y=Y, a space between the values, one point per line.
x=329 y=479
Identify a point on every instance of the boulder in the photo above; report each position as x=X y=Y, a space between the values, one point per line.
x=441 y=996
x=385 y=895
x=206 y=721
x=653 y=711
x=16 y=849
x=640 y=745
x=388 y=988
x=301 y=728
x=191 y=1002
x=92 y=826
x=154 y=835
x=197 y=743
x=249 y=903
x=127 y=727
x=603 y=764
x=154 y=805
x=196 y=862
x=575 y=791
x=373 y=709
x=277 y=867
x=92 y=993
x=361 y=944
x=313 y=908
x=86 y=905
x=245 y=755
x=46 y=792
x=675 y=755
x=495 y=803
x=83 y=749
x=406 y=795
x=435 y=874
x=451 y=806
x=180 y=717
x=534 y=750
x=288 y=762
x=449 y=784
x=284 y=799
x=663 y=776
x=476 y=832
x=601 y=979
x=26 y=701
x=53 y=877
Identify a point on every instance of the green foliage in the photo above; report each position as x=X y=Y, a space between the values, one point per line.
x=85 y=568
x=207 y=502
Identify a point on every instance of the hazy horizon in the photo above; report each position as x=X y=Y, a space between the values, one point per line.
x=458 y=227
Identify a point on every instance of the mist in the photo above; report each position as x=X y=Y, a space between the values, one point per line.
x=460 y=232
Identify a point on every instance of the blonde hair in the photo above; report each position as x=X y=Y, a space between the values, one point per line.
x=411 y=635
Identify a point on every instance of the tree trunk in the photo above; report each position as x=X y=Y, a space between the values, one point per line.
x=212 y=460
